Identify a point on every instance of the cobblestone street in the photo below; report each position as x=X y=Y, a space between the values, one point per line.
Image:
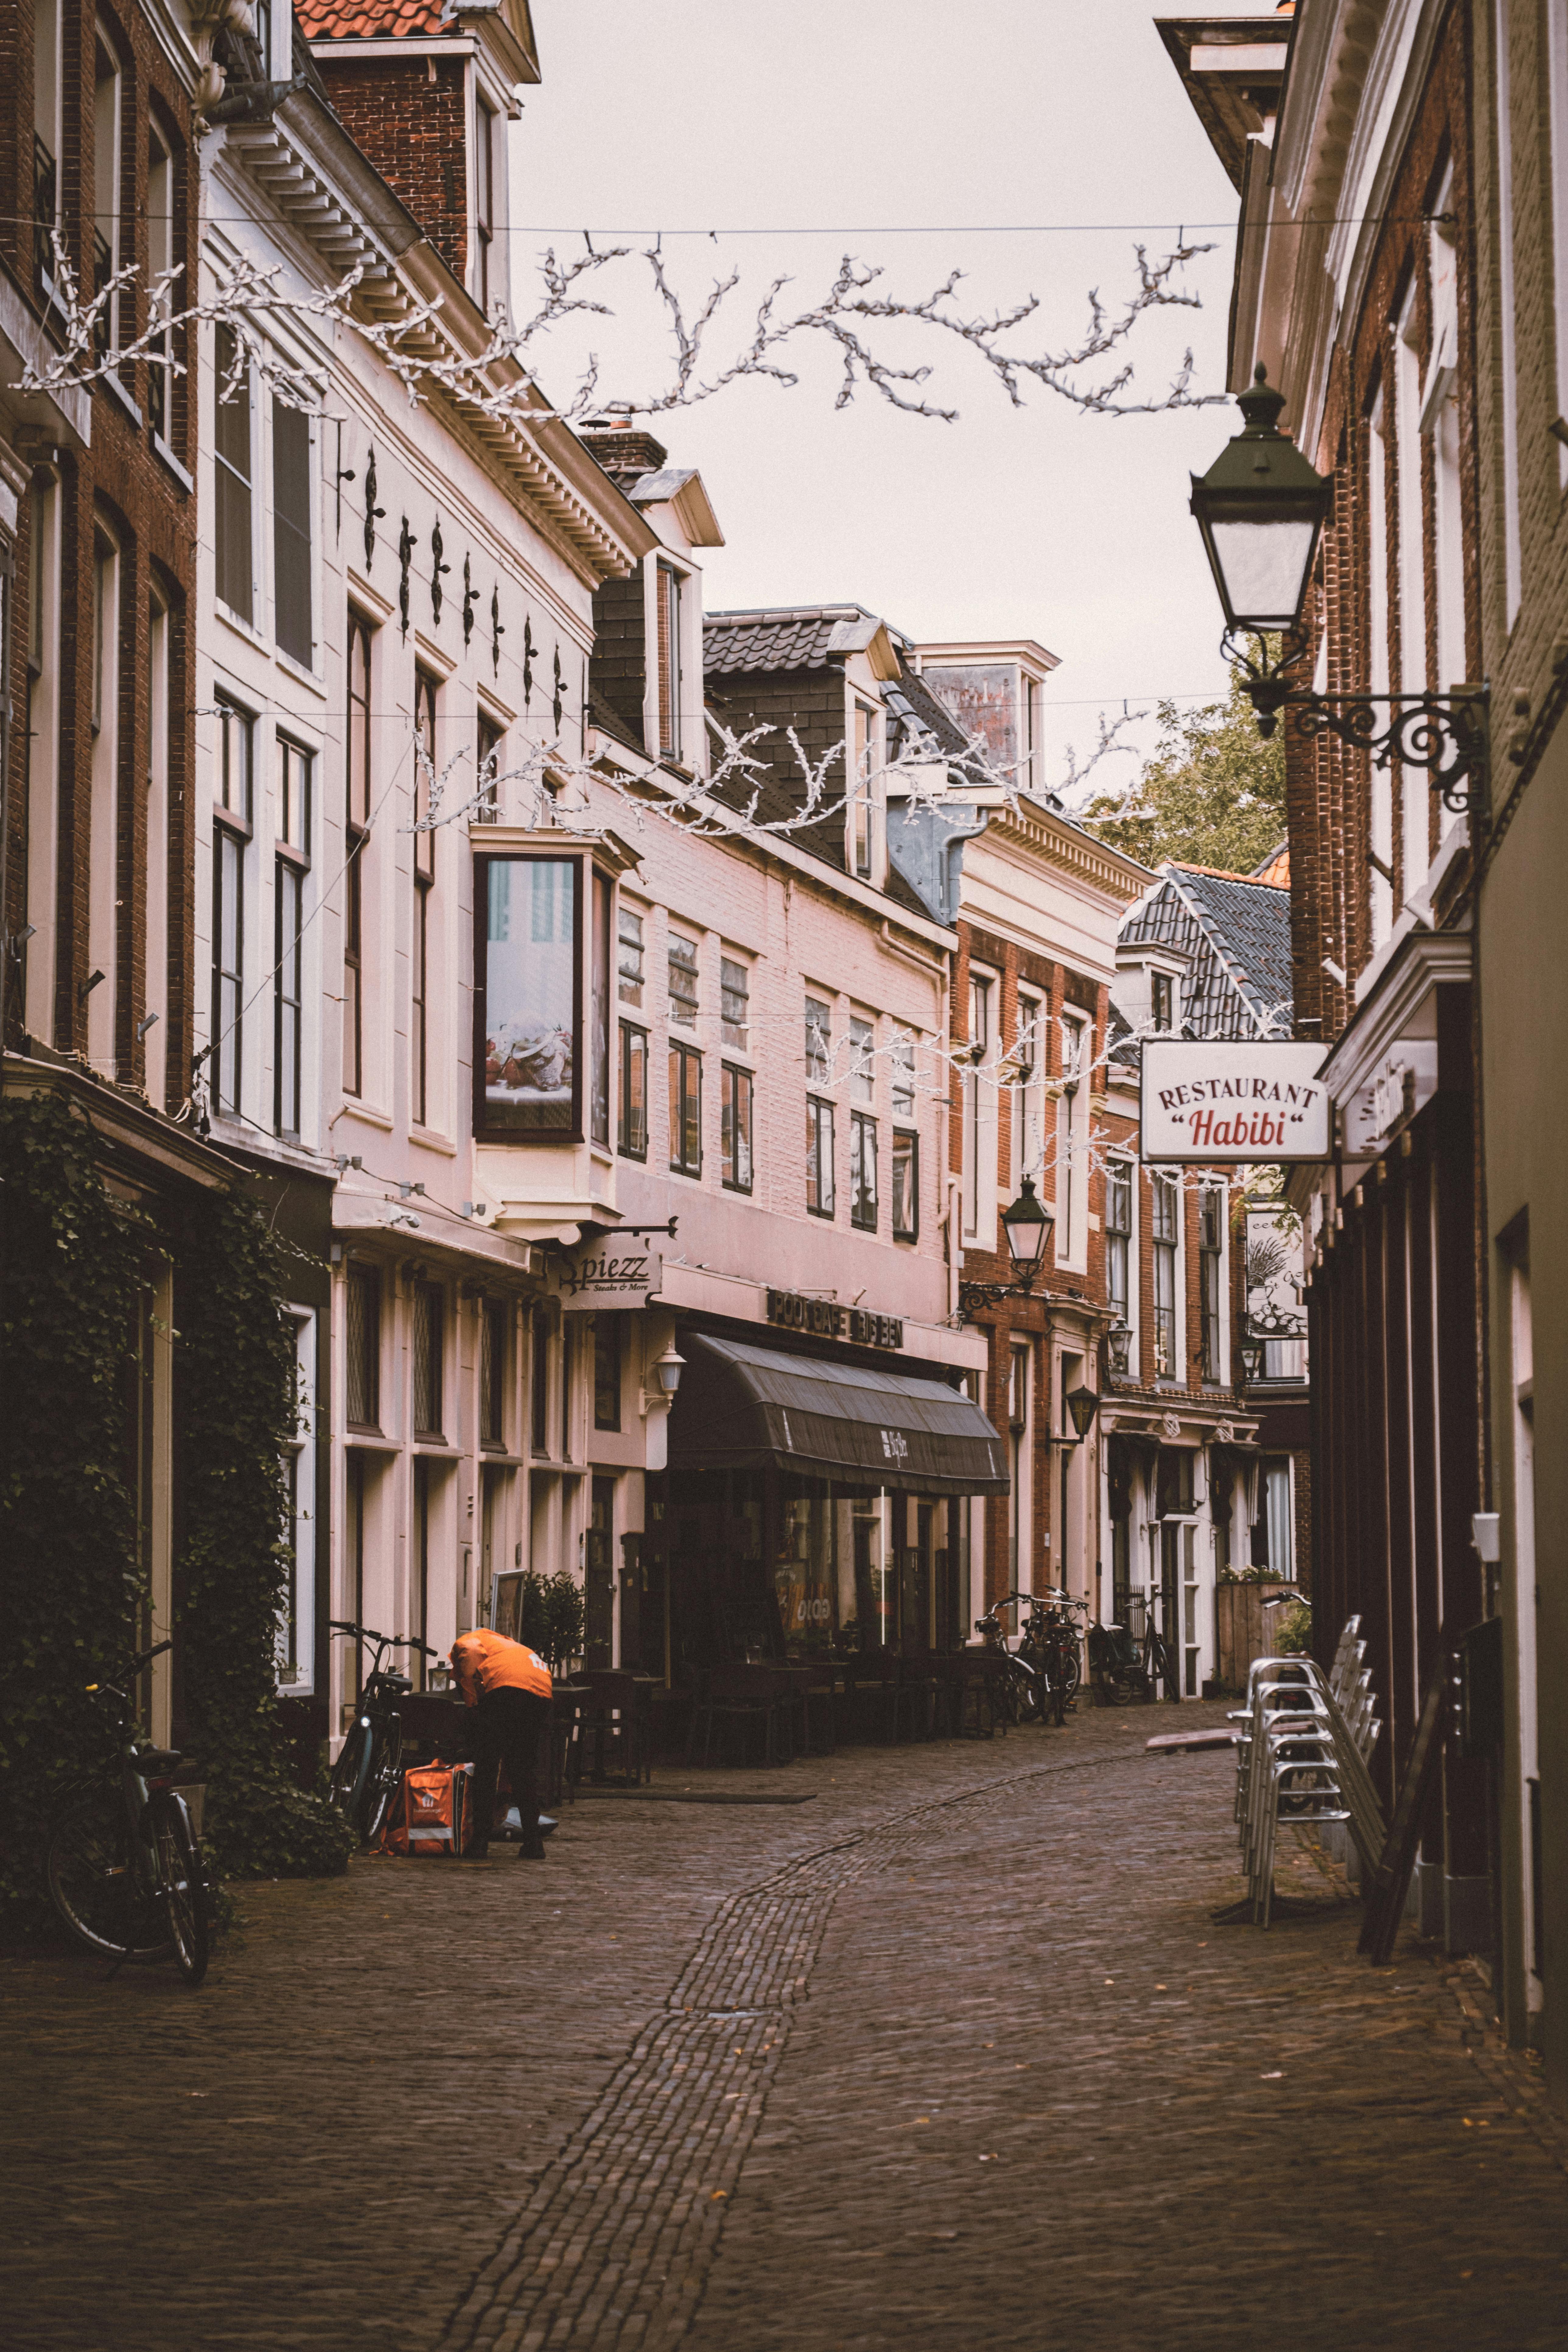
x=953 y=2054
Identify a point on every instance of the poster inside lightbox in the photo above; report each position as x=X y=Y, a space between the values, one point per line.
x=530 y=964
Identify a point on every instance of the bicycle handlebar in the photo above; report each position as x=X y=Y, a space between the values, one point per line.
x=389 y=1641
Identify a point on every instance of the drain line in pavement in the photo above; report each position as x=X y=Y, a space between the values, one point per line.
x=615 y=2243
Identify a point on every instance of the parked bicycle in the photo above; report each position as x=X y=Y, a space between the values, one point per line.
x=368 y=1769
x=1019 y=1693
x=1057 y=1640
x=126 y=1872
x=1126 y=1661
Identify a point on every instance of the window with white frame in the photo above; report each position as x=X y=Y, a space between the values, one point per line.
x=484 y=199
x=1503 y=79
x=297 y=1618
x=356 y=852
x=1410 y=583
x=1119 y=1195
x=1381 y=809
x=818 y=1041
x=233 y=816
x=861 y=811
x=233 y=475
x=1557 y=87
x=291 y=870
x=820 y=1157
x=108 y=133
x=1162 y=1002
x=670 y=620
x=629 y=973
x=1211 y=1281
x=1020 y=1418
x=1164 y=1240
x=683 y=981
x=1440 y=417
x=159 y=259
x=1072 y=1141
x=863 y=1172
x=734 y=1002
x=292 y=588
x=46 y=144
x=978 y=1183
x=1027 y=1090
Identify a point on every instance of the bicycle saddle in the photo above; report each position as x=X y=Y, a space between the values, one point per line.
x=154 y=1763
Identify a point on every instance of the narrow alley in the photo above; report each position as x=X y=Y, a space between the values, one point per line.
x=933 y=2047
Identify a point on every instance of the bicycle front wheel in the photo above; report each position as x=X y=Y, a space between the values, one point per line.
x=95 y=1886
x=351 y=1776
x=386 y=1775
x=182 y=1883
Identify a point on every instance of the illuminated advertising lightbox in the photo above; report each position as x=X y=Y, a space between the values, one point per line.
x=529 y=1000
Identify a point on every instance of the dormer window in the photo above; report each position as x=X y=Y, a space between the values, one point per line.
x=670 y=621
x=484 y=199
x=1163 y=1001
x=862 y=795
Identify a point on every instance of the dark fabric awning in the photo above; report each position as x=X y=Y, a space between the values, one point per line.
x=739 y=1406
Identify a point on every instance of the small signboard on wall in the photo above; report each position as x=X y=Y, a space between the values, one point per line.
x=1224 y=1103
x=607 y=1273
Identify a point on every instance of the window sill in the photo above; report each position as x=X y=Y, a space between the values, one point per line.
x=686 y=1175
x=241 y=627
x=827 y=1216
x=166 y=458
x=426 y=1442
x=315 y=679
x=742 y=1192
x=637 y=1159
x=430 y=1140
x=112 y=384
x=366 y=1113
x=371 y=1441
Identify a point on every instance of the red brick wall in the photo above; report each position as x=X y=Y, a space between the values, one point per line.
x=410 y=116
x=1328 y=786
x=121 y=481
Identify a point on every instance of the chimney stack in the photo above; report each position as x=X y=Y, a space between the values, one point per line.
x=624 y=452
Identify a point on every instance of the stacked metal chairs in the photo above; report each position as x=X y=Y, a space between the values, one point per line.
x=1303 y=1742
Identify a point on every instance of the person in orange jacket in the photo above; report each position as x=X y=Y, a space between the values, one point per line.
x=509 y=1686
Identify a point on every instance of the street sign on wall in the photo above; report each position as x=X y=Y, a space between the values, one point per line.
x=1230 y=1102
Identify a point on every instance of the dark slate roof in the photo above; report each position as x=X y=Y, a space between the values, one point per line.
x=797 y=636
x=1251 y=922
x=1236 y=934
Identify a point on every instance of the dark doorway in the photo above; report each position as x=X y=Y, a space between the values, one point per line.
x=599 y=1598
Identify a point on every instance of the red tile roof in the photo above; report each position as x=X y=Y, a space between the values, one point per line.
x=365 y=20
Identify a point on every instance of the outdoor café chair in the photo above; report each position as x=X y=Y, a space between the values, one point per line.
x=736 y=1695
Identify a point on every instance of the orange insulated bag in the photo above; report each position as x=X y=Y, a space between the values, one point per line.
x=430 y=1812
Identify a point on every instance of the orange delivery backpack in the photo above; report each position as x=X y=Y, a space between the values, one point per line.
x=429 y=1813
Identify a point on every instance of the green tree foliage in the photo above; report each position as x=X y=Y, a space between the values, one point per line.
x=1214 y=794
x=75 y=1259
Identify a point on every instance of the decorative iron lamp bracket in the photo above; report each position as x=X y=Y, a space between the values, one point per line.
x=1449 y=735
x=973 y=1298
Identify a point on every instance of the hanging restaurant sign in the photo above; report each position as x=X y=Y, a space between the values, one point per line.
x=607 y=1274
x=827 y=1320
x=1233 y=1102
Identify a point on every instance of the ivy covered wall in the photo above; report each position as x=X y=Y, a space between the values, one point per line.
x=75 y=1257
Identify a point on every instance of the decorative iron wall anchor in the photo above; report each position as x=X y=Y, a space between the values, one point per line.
x=373 y=513
x=405 y=546
x=471 y=598
x=556 y=704
x=497 y=630
x=438 y=594
x=527 y=660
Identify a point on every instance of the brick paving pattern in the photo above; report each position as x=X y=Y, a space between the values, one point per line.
x=956 y=2053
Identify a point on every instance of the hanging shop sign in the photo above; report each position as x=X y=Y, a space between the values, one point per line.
x=826 y=1319
x=606 y=1274
x=1276 y=1277
x=1224 y=1103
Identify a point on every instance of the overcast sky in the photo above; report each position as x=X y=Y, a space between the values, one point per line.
x=855 y=117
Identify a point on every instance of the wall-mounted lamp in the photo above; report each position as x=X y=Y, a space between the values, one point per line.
x=1261 y=508
x=1118 y=1341
x=659 y=1395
